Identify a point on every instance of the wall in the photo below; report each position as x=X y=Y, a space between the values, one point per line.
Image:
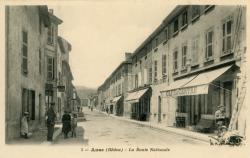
x=23 y=18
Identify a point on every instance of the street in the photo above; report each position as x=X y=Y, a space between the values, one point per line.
x=100 y=129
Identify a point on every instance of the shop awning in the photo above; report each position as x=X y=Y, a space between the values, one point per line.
x=195 y=85
x=134 y=97
x=116 y=99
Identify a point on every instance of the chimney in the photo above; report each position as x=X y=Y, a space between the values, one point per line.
x=51 y=11
x=128 y=56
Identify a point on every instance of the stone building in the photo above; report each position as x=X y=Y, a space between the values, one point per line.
x=63 y=49
x=191 y=64
x=51 y=61
x=26 y=35
x=112 y=92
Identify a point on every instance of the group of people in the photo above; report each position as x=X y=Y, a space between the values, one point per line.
x=69 y=123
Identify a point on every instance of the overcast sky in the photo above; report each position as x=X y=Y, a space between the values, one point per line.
x=101 y=32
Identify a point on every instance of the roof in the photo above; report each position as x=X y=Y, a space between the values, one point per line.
x=64 y=45
x=55 y=19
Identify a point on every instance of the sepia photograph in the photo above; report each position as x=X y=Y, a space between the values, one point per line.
x=125 y=76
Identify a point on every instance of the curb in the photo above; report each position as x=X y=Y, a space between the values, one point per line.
x=190 y=134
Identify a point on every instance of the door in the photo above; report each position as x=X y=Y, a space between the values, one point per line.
x=159 y=108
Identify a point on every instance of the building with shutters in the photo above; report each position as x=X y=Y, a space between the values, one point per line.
x=112 y=92
x=51 y=61
x=26 y=36
x=192 y=63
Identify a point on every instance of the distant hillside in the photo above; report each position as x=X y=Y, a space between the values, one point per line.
x=84 y=92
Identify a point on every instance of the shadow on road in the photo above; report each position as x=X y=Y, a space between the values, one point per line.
x=72 y=140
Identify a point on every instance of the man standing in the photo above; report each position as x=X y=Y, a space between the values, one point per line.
x=51 y=121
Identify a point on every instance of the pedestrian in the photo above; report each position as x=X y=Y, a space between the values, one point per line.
x=51 y=118
x=25 y=126
x=74 y=125
x=66 y=120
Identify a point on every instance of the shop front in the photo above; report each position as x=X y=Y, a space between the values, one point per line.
x=199 y=96
x=140 y=104
x=119 y=106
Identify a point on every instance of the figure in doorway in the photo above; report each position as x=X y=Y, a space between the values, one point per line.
x=25 y=126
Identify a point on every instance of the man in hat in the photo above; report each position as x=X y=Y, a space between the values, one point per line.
x=51 y=118
x=25 y=126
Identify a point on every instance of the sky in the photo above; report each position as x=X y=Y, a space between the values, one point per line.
x=101 y=32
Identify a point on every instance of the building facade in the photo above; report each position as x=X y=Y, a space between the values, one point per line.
x=191 y=64
x=112 y=92
x=51 y=61
x=26 y=35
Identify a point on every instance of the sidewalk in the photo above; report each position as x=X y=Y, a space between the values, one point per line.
x=191 y=134
x=38 y=137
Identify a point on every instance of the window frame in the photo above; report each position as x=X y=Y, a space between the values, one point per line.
x=197 y=13
x=184 y=57
x=184 y=16
x=175 y=60
x=207 y=45
x=164 y=65
x=50 y=35
x=24 y=57
x=195 y=50
x=52 y=68
x=155 y=70
x=175 y=32
x=227 y=51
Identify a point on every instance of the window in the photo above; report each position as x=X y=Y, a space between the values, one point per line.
x=195 y=50
x=166 y=33
x=164 y=65
x=156 y=42
x=184 y=19
x=155 y=70
x=227 y=36
x=136 y=81
x=195 y=11
x=184 y=56
x=24 y=52
x=176 y=26
x=150 y=74
x=40 y=62
x=175 y=61
x=50 y=39
x=209 y=44
x=50 y=68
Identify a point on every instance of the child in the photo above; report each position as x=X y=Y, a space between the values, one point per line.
x=74 y=125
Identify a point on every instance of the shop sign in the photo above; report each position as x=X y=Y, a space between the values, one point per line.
x=203 y=89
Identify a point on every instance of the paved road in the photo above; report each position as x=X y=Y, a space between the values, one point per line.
x=100 y=129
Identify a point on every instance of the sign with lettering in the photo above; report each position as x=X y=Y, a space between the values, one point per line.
x=185 y=91
x=61 y=88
